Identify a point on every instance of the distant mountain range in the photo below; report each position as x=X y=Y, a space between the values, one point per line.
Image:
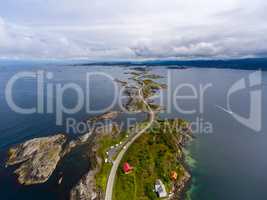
x=249 y=63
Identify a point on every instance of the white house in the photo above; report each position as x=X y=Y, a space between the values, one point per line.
x=160 y=189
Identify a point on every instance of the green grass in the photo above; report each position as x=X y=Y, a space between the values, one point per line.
x=104 y=144
x=154 y=155
x=150 y=87
x=102 y=176
x=127 y=183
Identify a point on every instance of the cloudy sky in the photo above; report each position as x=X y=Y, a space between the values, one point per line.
x=133 y=29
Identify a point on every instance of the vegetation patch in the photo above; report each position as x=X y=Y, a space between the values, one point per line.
x=154 y=156
x=104 y=144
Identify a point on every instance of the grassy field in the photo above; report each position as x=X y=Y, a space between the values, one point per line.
x=104 y=144
x=154 y=155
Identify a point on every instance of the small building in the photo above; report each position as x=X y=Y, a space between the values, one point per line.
x=174 y=175
x=160 y=189
x=127 y=168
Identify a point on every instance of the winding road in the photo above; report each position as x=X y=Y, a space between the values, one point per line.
x=116 y=163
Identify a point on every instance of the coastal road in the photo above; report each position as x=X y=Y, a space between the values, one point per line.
x=116 y=163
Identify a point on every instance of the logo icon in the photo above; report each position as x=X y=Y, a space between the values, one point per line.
x=254 y=121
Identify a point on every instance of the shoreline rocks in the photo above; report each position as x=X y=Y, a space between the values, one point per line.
x=106 y=116
x=86 y=188
x=38 y=158
x=181 y=185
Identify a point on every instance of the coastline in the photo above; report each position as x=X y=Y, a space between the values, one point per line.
x=190 y=164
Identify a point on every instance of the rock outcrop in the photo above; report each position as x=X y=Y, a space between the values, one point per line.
x=38 y=158
x=180 y=185
x=106 y=116
x=86 y=188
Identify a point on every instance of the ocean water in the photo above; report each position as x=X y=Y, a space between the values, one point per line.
x=229 y=161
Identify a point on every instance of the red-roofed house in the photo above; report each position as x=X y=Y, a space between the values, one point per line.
x=127 y=168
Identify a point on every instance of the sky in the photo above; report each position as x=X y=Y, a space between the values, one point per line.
x=133 y=29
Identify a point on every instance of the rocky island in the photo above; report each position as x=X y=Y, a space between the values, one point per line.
x=38 y=158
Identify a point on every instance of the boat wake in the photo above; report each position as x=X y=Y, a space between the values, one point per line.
x=224 y=109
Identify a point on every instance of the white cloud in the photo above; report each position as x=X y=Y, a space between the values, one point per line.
x=133 y=29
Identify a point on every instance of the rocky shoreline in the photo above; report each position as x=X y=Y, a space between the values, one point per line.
x=86 y=189
x=181 y=186
x=37 y=158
